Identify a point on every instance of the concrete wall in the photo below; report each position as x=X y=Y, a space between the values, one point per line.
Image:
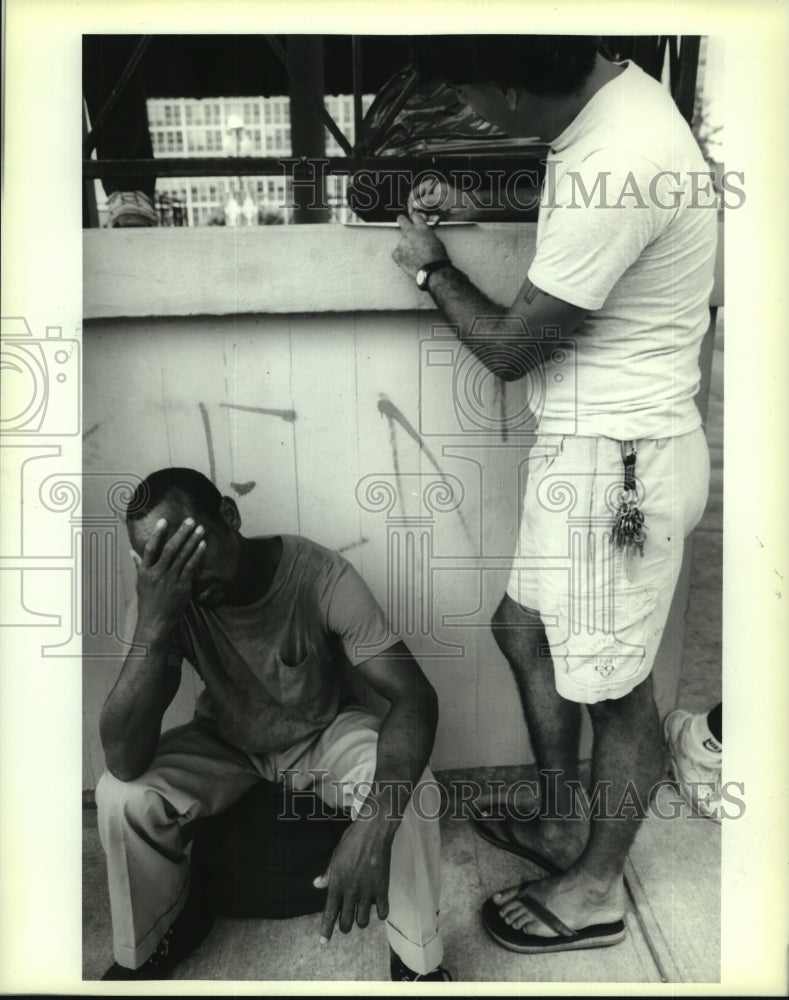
x=304 y=373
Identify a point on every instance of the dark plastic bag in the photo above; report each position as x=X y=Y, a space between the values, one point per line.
x=424 y=120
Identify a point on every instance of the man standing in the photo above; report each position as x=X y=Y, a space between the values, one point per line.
x=623 y=267
x=266 y=622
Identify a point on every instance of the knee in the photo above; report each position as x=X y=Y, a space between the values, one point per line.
x=500 y=622
x=512 y=625
x=121 y=798
x=637 y=708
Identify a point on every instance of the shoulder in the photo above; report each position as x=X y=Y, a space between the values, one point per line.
x=638 y=120
x=313 y=560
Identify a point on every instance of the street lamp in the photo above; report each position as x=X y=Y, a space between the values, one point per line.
x=246 y=213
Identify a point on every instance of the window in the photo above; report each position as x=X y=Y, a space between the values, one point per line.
x=409 y=141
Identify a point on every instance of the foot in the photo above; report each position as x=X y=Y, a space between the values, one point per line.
x=130 y=209
x=560 y=842
x=576 y=899
x=698 y=774
x=400 y=973
x=188 y=931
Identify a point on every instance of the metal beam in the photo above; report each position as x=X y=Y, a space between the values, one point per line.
x=358 y=113
x=317 y=107
x=684 y=87
x=89 y=142
x=250 y=166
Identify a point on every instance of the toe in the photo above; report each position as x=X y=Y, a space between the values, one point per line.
x=512 y=909
x=506 y=895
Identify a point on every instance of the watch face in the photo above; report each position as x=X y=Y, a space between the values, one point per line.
x=421 y=277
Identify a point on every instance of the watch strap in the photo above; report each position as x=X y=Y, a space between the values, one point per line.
x=433 y=265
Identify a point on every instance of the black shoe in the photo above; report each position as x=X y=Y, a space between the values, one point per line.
x=400 y=973
x=188 y=931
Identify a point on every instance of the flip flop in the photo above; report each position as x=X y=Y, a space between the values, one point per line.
x=594 y=936
x=498 y=832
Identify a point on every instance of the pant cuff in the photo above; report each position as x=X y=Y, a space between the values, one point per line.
x=420 y=958
x=132 y=957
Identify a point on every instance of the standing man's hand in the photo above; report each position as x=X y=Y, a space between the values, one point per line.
x=166 y=573
x=358 y=876
x=418 y=245
x=436 y=199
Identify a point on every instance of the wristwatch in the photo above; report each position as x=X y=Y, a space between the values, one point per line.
x=424 y=272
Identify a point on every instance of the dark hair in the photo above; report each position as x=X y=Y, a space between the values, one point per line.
x=184 y=484
x=542 y=64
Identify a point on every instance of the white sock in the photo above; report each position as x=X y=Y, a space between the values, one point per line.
x=701 y=745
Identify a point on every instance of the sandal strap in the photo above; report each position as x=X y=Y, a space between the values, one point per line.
x=547 y=917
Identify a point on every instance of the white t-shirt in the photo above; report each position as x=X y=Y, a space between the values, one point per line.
x=627 y=229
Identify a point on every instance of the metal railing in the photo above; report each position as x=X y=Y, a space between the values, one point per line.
x=650 y=52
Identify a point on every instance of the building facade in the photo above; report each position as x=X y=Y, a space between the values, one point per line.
x=240 y=126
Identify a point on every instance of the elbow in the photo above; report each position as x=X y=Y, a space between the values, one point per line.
x=121 y=762
x=503 y=362
x=124 y=774
x=123 y=765
x=507 y=373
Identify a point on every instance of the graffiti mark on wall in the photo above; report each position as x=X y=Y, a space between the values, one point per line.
x=500 y=395
x=289 y=416
x=353 y=545
x=243 y=488
x=209 y=442
x=395 y=416
x=91 y=430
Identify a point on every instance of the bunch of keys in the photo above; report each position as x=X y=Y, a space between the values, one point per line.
x=629 y=527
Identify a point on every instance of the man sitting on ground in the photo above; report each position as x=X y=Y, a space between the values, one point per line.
x=266 y=623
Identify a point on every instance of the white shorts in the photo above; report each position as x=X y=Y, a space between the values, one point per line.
x=604 y=608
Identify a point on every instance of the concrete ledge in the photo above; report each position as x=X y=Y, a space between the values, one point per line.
x=215 y=271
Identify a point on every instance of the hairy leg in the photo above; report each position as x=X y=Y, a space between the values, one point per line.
x=554 y=725
x=626 y=764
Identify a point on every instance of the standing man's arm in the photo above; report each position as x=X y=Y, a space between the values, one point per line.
x=131 y=719
x=503 y=338
x=359 y=872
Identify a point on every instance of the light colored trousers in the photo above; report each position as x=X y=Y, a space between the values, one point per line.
x=144 y=828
